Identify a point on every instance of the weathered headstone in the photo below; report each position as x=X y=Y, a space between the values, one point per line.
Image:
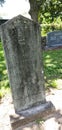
x=22 y=45
x=54 y=39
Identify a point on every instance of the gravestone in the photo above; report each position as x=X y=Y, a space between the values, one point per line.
x=54 y=39
x=22 y=45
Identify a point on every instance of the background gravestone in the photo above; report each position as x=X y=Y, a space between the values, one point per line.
x=22 y=45
x=54 y=39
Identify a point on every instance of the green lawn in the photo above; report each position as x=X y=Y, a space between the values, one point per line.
x=52 y=61
x=52 y=67
x=4 y=83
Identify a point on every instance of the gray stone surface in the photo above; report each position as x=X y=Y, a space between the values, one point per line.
x=22 y=46
x=54 y=39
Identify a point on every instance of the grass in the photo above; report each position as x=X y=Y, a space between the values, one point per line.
x=4 y=82
x=52 y=67
x=52 y=61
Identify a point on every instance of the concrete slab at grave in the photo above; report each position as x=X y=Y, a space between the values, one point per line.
x=22 y=45
x=54 y=40
x=34 y=114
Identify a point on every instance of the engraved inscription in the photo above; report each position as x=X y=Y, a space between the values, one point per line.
x=21 y=36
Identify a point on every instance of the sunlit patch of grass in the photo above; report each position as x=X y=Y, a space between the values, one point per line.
x=52 y=61
x=4 y=82
x=51 y=83
x=4 y=91
x=59 y=83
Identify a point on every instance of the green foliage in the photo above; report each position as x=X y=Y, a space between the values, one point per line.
x=52 y=67
x=4 y=83
x=56 y=25
x=50 y=15
x=46 y=9
x=50 y=10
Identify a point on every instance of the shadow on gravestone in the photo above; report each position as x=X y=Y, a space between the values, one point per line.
x=22 y=45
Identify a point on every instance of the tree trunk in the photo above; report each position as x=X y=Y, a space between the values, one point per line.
x=33 y=10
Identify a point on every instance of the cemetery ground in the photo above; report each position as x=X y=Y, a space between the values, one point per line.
x=53 y=82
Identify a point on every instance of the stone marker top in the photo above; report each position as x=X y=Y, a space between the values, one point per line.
x=54 y=39
x=8 y=22
x=13 y=22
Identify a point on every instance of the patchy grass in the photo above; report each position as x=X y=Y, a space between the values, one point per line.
x=4 y=82
x=52 y=67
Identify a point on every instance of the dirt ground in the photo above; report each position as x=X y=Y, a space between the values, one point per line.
x=53 y=123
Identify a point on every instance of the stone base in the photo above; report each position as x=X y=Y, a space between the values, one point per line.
x=52 y=47
x=32 y=114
